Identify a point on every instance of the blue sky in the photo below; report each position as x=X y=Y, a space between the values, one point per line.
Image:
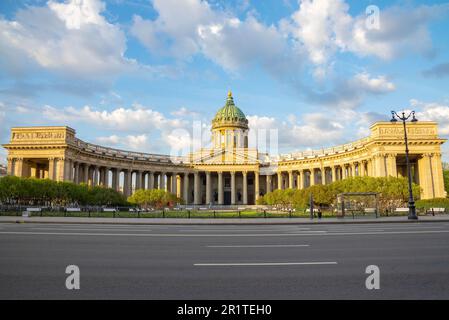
x=135 y=74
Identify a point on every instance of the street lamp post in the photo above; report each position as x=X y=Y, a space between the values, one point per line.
x=411 y=202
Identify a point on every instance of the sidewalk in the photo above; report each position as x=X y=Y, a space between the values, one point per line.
x=218 y=221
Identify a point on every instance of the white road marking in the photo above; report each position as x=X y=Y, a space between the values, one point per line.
x=222 y=235
x=254 y=230
x=262 y=246
x=263 y=264
x=90 y=229
x=356 y=230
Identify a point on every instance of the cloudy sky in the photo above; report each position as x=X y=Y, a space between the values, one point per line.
x=133 y=74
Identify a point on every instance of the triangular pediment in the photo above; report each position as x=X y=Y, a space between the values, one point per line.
x=225 y=156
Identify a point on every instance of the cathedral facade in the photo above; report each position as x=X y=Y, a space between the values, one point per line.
x=229 y=172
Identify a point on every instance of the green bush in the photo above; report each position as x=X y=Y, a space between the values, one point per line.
x=392 y=192
x=153 y=198
x=31 y=191
x=433 y=203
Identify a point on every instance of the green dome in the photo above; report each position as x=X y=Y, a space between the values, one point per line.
x=230 y=115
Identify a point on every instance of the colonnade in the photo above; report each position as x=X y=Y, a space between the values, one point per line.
x=305 y=177
x=202 y=185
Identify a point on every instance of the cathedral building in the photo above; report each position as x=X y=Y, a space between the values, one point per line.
x=230 y=171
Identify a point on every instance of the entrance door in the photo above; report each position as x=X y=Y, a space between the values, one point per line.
x=227 y=197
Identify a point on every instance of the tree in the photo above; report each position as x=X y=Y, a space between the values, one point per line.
x=392 y=192
x=153 y=198
x=31 y=191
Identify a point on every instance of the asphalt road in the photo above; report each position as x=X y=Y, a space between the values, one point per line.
x=225 y=262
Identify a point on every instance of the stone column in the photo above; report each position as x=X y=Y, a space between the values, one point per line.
x=95 y=174
x=185 y=192
x=362 y=172
x=233 y=187
x=425 y=176
x=173 y=183
x=138 y=180
x=379 y=161
x=220 y=188
x=125 y=182
x=312 y=177
x=162 y=181
x=268 y=182
x=245 y=187
x=208 y=188
x=59 y=169
x=343 y=171
x=151 y=181
x=76 y=178
x=196 y=188
x=437 y=175
x=301 y=179
x=280 y=184
x=179 y=186
x=68 y=170
x=290 y=179
x=128 y=189
x=353 y=169
x=115 y=179
x=51 y=168
x=10 y=167
x=101 y=180
x=334 y=173
x=106 y=177
x=391 y=165
x=18 y=167
x=256 y=186
x=86 y=173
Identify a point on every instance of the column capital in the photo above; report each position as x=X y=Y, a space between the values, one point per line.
x=392 y=155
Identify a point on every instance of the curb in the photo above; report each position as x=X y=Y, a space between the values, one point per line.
x=287 y=222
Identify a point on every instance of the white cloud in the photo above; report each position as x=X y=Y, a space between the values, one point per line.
x=185 y=28
x=109 y=140
x=402 y=30
x=71 y=38
x=321 y=28
x=373 y=85
x=349 y=94
x=234 y=44
x=315 y=129
x=129 y=142
x=174 y=31
x=136 y=118
x=433 y=111
x=143 y=122
x=183 y=112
